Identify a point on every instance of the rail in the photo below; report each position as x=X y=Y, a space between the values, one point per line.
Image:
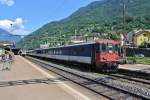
x=105 y=86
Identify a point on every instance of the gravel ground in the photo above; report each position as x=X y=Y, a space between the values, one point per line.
x=128 y=87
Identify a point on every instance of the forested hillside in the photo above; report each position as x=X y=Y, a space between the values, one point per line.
x=102 y=16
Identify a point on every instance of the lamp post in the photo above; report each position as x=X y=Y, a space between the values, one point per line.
x=75 y=33
x=47 y=37
x=11 y=27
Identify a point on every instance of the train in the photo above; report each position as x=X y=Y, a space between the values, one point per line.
x=102 y=54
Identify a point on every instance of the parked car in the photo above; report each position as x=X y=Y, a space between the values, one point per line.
x=140 y=55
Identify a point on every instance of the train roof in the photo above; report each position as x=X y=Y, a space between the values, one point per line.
x=107 y=41
x=65 y=46
x=84 y=43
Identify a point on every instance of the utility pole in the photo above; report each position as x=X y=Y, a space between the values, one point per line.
x=60 y=38
x=124 y=27
x=124 y=17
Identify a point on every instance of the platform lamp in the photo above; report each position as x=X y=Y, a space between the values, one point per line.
x=47 y=39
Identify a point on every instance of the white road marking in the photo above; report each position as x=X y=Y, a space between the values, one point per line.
x=73 y=92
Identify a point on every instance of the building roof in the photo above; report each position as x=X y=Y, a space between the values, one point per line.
x=140 y=31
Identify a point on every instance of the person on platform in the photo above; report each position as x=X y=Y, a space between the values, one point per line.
x=7 y=61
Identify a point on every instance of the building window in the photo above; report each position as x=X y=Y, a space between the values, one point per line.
x=145 y=35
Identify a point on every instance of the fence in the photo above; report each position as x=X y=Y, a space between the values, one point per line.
x=135 y=51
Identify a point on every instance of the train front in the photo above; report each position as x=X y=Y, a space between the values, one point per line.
x=107 y=56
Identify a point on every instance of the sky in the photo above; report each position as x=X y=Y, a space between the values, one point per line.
x=22 y=17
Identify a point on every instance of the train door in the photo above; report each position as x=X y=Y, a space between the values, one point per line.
x=75 y=53
x=66 y=53
x=93 y=53
x=72 y=54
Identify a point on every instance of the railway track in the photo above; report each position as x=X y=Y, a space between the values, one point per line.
x=132 y=79
x=106 y=86
x=144 y=74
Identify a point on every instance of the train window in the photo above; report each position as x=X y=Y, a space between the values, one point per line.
x=56 y=51
x=98 y=48
x=60 y=52
x=50 y=52
x=104 y=48
x=116 y=48
x=46 y=51
x=39 y=52
x=74 y=51
x=110 y=48
x=82 y=49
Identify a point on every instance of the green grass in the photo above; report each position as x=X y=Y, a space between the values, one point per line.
x=145 y=60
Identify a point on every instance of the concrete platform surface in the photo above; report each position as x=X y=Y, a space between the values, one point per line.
x=135 y=67
x=27 y=81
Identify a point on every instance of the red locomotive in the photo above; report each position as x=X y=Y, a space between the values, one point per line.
x=108 y=56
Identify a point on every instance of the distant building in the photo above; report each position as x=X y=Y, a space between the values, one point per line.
x=44 y=46
x=6 y=44
x=139 y=37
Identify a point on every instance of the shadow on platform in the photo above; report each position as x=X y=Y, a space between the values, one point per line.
x=32 y=81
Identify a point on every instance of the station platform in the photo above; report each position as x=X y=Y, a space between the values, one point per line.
x=136 y=67
x=28 y=81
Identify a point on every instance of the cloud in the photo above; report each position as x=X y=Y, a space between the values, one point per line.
x=14 y=27
x=7 y=2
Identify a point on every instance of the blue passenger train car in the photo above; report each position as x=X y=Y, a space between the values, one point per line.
x=102 y=54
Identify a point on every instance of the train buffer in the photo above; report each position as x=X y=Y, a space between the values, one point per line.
x=28 y=81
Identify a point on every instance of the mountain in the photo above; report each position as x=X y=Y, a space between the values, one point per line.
x=101 y=16
x=6 y=36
